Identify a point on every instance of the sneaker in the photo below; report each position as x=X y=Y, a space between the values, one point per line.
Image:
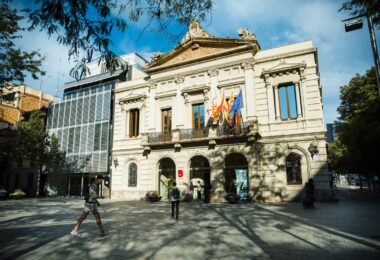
x=74 y=233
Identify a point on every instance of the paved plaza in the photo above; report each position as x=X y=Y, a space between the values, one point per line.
x=37 y=229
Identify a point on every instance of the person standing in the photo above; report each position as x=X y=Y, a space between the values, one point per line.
x=199 y=190
x=91 y=205
x=174 y=199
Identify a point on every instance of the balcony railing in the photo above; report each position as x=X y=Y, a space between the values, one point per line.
x=226 y=130
x=160 y=137
x=192 y=133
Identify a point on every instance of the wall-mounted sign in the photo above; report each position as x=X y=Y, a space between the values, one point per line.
x=180 y=173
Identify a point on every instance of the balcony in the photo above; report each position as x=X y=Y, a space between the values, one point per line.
x=243 y=132
x=160 y=137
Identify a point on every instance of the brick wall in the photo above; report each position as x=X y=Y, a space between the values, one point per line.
x=10 y=114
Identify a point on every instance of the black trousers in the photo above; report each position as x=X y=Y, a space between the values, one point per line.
x=176 y=204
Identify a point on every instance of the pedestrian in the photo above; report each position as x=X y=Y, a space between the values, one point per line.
x=91 y=205
x=207 y=191
x=174 y=199
x=199 y=190
x=309 y=194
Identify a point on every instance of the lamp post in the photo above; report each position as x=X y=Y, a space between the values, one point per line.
x=355 y=23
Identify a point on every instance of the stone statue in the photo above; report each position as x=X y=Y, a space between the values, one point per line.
x=246 y=34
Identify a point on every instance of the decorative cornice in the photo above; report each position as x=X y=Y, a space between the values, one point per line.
x=179 y=79
x=171 y=93
x=132 y=98
x=205 y=70
x=196 y=88
x=213 y=72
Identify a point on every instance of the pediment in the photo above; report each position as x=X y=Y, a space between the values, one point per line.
x=283 y=67
x=198 y=49
x=199 y=45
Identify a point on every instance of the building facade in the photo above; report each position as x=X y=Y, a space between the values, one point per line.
x=82 y=121
x=14 y=102
x=178 y=124
x=332 y=134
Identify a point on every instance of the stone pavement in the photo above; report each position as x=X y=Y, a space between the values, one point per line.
x=350 y=228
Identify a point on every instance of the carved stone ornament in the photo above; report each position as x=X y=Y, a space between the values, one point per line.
x=179 y=79
x=246 y=34
x=156 y=56
x=247 y=65
x=195 y=30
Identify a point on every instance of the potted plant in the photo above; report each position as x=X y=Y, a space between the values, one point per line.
x=18 y=194
x=187 y=197
x=232 y=198
x=153 y=196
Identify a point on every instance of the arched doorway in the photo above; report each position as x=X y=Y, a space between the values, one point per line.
x=293 y=169
x=236 y=175
x=200 y=185
x=166 y=172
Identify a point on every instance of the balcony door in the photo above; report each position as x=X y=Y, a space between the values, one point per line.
x=198 y=120
x=166 y=123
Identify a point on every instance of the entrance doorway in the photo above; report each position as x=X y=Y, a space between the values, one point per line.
x=236 y=175
x=200 y=184
x=167 y=175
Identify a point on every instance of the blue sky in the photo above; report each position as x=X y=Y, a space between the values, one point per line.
x=275 y=23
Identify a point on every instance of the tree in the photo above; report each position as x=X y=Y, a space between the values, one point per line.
x=36 y=145
x=14 y=63
x=363 y=7
x=359 y=125
x=86 y=26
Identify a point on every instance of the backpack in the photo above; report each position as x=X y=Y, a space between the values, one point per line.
x=175 y=194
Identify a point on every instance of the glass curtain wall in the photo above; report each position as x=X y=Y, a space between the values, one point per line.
x=81 y=123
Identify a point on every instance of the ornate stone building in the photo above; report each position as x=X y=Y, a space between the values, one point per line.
x=163 y=130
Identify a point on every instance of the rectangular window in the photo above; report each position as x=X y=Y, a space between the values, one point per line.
x=134 y=118
x=198 y=116
x=287 y=99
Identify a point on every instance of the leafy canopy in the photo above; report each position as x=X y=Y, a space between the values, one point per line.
x=14 y=63
x=358 y=148
x=86 y=26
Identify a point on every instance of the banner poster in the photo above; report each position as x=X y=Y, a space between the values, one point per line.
x=242 y=182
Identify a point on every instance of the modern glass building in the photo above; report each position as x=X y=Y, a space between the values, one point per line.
x=82 y=122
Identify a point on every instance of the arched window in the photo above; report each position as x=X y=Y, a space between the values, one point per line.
x=132 y=177
x=293 y=169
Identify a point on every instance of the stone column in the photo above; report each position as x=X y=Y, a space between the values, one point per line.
x=277 y=103
x=142 y=117
x=302 y=94
x=179 y=110
x=270 y=100
x=298 y=100
x=249 y=92
x=152 y=107
x=213 y=76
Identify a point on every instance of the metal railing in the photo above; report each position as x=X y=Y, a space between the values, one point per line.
x=226 y=130
x=160 y=137
x=192 y=133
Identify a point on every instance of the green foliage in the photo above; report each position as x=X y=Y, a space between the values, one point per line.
x=359 y=143
x=35 y=144
x=85 y=26
x=362 y=7
x=14 y=63
x=338 y=158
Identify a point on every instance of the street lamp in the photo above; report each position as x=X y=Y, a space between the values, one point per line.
x=313 y=148
x=115 y=162
x=355 y=23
